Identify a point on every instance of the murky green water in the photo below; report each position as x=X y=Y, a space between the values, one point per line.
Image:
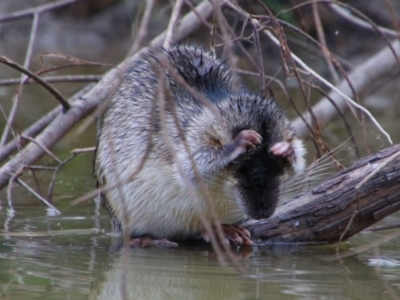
x=73 y=256
x=70 y=257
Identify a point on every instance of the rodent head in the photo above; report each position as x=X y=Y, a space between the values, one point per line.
x=258 y=172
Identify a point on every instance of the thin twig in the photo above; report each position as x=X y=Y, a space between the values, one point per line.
x=43 y=147
x=33 y=172
x=37 y=9
x=38 y=126
x=359 y=14
x=169 y=35
x=142 y=32
x=41 y=168
x=259 y=57
x=348 y=16
x=331 y=86
x=34 y=193
x=53 y=79
x=75 y=153
x=322 y=40
x=10 y=186
x=32 y=75
x=14 y=108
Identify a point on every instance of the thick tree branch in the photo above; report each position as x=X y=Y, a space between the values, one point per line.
x=339 y=207
x=86 y=104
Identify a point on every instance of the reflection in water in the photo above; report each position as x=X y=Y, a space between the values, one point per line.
x=168 y=274
x=84 y=267
x=273 y=274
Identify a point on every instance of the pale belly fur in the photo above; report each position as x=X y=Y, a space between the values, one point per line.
x=158 y=202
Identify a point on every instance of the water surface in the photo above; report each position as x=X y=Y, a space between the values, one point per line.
x=73 y=255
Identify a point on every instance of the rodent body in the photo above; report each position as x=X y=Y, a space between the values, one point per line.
x=240 y=144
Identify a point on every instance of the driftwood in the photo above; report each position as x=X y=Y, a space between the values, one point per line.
x=339 y=207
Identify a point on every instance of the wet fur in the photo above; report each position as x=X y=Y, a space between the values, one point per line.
x=157 y=202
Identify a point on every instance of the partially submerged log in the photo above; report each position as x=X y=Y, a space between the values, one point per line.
x=339 y=207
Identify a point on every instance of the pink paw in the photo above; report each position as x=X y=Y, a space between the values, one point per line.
x=284 y=149
x=248 y=139
x=244 y=141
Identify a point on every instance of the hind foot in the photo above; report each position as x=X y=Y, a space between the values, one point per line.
x=143 y=242
x=233 y=234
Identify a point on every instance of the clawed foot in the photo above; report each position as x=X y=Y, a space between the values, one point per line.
x=244 y=141
x=283 y=149
x=232 y=234
x=143 y=242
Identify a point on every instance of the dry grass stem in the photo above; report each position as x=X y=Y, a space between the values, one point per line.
x=53 y=79
x=142 y=32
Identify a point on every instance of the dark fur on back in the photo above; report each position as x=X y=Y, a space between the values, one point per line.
x=203 y=72
x=258 y=171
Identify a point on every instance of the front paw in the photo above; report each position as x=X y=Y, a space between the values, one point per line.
x=293 y=152
x=283 y=149
x=244 y=141
x=232 y=234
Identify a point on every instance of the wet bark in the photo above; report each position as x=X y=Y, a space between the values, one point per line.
x=339 y=207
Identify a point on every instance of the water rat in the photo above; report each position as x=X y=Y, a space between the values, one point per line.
x=241 y=144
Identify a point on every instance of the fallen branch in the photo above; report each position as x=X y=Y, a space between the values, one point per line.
x=92 y=99
x=361 y=77
x=339 y=207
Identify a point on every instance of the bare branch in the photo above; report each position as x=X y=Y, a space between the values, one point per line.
x=86 y=104
x=169 y=36
x=39 y=80
x=142 y=32
x=336 y=208
x=346 y=15
x=14 y=108
x=53 y=79
x=375 y=67
x=33 y=192
x=35 y=10
x=38 y=126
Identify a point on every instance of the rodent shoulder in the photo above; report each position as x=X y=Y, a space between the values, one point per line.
x=201 y=70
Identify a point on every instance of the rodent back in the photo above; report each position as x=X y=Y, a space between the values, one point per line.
x=201 y=70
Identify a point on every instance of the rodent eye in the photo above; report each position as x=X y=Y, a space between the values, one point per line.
x=214 y=142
